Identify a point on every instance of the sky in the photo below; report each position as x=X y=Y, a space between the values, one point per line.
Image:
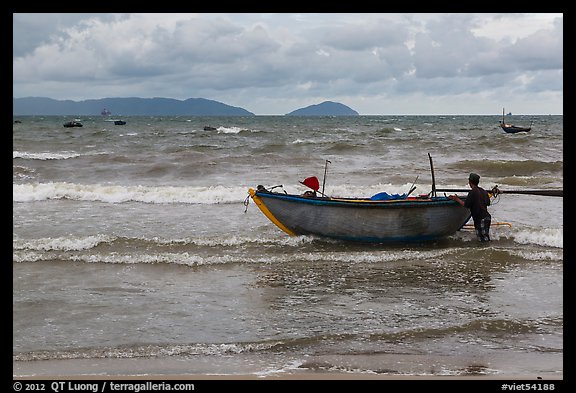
x=274 y=63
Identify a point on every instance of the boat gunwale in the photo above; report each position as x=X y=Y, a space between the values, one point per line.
x=360 y=202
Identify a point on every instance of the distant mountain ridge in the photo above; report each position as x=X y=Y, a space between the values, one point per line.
x=125 y=107
x=326 y=108
x=157 y=106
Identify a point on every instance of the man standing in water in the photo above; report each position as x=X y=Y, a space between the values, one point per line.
x=477 y=201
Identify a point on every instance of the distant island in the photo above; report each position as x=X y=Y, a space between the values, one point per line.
x=134 y=106
x=327 y=108
x=125 y=107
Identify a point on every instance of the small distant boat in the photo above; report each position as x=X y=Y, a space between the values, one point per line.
x=119 y=122
x=512 y=129
x=105 y=112
x=73 y=123
x=209 y=128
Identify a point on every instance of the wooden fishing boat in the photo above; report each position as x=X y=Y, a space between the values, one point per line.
x=382 y=218
x=406 y=219
x=512 y=129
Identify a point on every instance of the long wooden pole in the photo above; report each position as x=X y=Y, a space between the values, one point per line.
x=554 y=193
x=433 y=179
x=324 y=181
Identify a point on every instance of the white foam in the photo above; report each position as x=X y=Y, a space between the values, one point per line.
x=550 y=237
x=148 y=351
x=539 y=255
x=30 y=251
x=228 y=130
x=44 y=156
x=117 y=193
x=73 y=243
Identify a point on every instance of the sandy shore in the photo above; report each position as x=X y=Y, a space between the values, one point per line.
x=389 y=367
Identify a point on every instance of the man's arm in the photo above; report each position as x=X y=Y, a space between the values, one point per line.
x=457 y=199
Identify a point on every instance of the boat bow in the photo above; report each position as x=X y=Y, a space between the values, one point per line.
x=262 y=206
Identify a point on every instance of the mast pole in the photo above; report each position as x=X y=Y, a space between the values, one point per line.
x=433 y=192
x=324 y=181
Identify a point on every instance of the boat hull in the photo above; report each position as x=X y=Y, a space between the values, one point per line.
x=406 y=220
x=515 y=129
x=72 y=124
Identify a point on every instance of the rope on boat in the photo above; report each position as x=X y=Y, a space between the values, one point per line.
x=246 y=203
x=260 y=187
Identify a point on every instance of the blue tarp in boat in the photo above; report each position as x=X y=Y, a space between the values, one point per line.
x=384 y=196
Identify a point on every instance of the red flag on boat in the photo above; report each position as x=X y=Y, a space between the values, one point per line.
x=311 y=182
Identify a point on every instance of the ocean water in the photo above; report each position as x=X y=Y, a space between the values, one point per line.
x=136 y=250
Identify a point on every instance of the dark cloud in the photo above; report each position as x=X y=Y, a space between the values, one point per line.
x=31 y=30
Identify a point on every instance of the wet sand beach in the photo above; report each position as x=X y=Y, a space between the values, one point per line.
x=251 y=366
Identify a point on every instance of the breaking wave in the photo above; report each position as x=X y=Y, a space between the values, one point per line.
x=118 y=194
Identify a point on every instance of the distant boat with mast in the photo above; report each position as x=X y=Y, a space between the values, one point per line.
x=105 y=112
x=511 y=128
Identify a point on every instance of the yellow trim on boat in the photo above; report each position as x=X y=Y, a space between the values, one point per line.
x=267 y=212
